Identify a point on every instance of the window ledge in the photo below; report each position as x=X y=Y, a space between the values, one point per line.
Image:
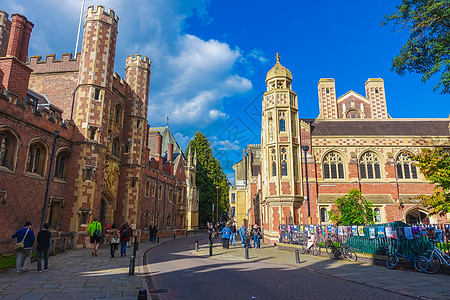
x=34 y=175
x=6 y=170
x=60 y=180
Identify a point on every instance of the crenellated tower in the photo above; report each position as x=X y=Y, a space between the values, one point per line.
x=281 y=188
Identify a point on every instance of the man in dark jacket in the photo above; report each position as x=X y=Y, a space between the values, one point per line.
x=26 y=235
x=43 y=243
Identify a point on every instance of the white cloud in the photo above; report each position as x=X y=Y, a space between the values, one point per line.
x=224 y=145
x=182 y=140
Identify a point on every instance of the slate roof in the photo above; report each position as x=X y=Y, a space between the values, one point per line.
x=393 y=127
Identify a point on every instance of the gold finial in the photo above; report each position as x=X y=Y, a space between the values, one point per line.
x=278 y=57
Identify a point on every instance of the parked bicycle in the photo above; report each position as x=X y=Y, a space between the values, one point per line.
x=338 y=250
x=393 y=259
x=430 y=261
x=310 y=246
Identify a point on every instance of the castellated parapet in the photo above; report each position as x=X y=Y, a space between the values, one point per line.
x=100 y=14
x=66 y=64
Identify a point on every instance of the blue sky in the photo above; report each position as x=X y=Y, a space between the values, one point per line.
x=210 y=58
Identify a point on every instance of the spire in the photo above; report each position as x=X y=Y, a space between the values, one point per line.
x=278 y=57
x=278 y=70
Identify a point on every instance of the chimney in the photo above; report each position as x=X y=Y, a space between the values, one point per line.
x=5 y=29
x=15 y=74
x=158 y=149
x=170 y=158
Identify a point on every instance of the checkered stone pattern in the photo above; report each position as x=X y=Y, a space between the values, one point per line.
x=395 y=141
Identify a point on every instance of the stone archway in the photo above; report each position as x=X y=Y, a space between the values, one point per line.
x=417 y=215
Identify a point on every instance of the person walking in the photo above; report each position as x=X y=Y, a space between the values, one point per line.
x=154 y=233
x=43 y=243
x=125 y=236
x=226 y=232
x=211 y=234
x=256 y=233
x=114 y=239
x=25 y=235
x=95 y=232
x=242 y=232
x=233 y=234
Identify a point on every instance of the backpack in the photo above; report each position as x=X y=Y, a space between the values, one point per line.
x=124 y=233
x=97 y=232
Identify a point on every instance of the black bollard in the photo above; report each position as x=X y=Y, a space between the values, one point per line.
x=246 y=252
x=196 y=245
x=157 y=240
x=132 y=262
x=142 y=295
x=210 y=249
x=135 y=246
x=297 y=257
x=174 y=236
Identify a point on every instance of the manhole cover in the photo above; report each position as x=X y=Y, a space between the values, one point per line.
x=158 y=291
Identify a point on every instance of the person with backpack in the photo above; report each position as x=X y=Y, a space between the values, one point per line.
x=114 y=239
x=125 y=236
x=43 y=243
x=95 y=232
x=26 y=237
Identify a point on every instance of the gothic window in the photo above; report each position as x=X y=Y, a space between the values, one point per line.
x=62 y=160
x=353 y=114
x=323 y=215
x=377 y=214
x=282 y=121
x=97 y=94
x=274 y=164
x=369 y=166
x=405 y=167
x=333 y=166
x=115 y=148
x=118 y=118
x=36 y=159
x=8 y=145
x=147 y=189
x=284 y=171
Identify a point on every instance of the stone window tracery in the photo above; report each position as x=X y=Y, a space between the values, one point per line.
x=284 y=171
x=115 y=150
x=118 y=118
x=369 y=166
x=36 y=159
x=274 y=164
x=323 y=215
x=62 y=160
x=8 y=146
x=333 y=166
x=282 y=117
x=405 y=167
x=377 y=214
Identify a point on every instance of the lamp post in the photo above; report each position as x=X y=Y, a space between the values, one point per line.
x=305 y=148
x=217 y=204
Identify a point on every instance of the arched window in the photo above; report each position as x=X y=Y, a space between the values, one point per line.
x=274 y=164
x=282 y=117
x=353 y=114
x=115 y=150
x=377 y=214
x=8 y=144
x=323 y=215
x=62 y=160
x=405 y=167
x=369 y=166
x=333 y=166
x=118 y=117
x=284 y=171
x=36 y=159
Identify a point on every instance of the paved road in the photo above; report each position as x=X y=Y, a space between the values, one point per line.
x=181 y=274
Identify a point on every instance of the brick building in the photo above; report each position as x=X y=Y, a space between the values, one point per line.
x=353 y=143
x=75 y=136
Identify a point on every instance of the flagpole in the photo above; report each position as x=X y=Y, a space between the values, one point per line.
x=79 y=28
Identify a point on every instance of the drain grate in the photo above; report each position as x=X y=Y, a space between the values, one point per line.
x=158 y=291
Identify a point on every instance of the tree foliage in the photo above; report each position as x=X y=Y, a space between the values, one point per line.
x=352 y=209
x=209 y=175
x=427 y=48
x=435 y=165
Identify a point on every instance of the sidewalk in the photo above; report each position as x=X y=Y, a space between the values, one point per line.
x=76 y=274
x=405 y=282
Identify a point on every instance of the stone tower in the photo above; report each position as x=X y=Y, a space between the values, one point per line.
x=281 y=188
x=92 y=104
x=327 y=99
x=376 y=96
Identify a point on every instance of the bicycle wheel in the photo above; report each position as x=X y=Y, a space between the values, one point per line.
x=315 y=250
x=303 y=249
x=350 y=255
x=333 y=251
x=431 y=265
x=392 y=261
x=417 y=265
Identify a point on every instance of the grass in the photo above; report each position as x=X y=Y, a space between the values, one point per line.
x=9 y=261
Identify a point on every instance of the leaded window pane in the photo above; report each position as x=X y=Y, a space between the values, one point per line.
x=4 y=147
x=362 y=170
x=414 y=172
x=370 y=171
x=282 y=125
x=377 y=171
x=407 y=173
x=274 y=169
x=341 y=171
x=333 y=171
x=326 y=171
x=284 y=171
x=333 y=166
x=399 y=172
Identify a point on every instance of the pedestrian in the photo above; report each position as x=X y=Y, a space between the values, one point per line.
x=242 y=232
x=114 y=239
x=226 y=232
x=211 y=234
x=233 y=234
x=256 y=233
x=154 y=233
x=43 y=243
x=95 y=232
x=25 y=235
x=125 y=236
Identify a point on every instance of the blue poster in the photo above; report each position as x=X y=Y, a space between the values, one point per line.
x=380 y=231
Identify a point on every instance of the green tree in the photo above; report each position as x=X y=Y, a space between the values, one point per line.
x=427 y=48
x=435 y=165
x=352 y=209
x=209 y=175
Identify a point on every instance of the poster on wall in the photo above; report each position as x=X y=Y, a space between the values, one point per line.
x=361 y=230
x=372 y=232
x=354 y=230
x=380 y=231
x=389 y=233
x=340 y=230
x=408 y=233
